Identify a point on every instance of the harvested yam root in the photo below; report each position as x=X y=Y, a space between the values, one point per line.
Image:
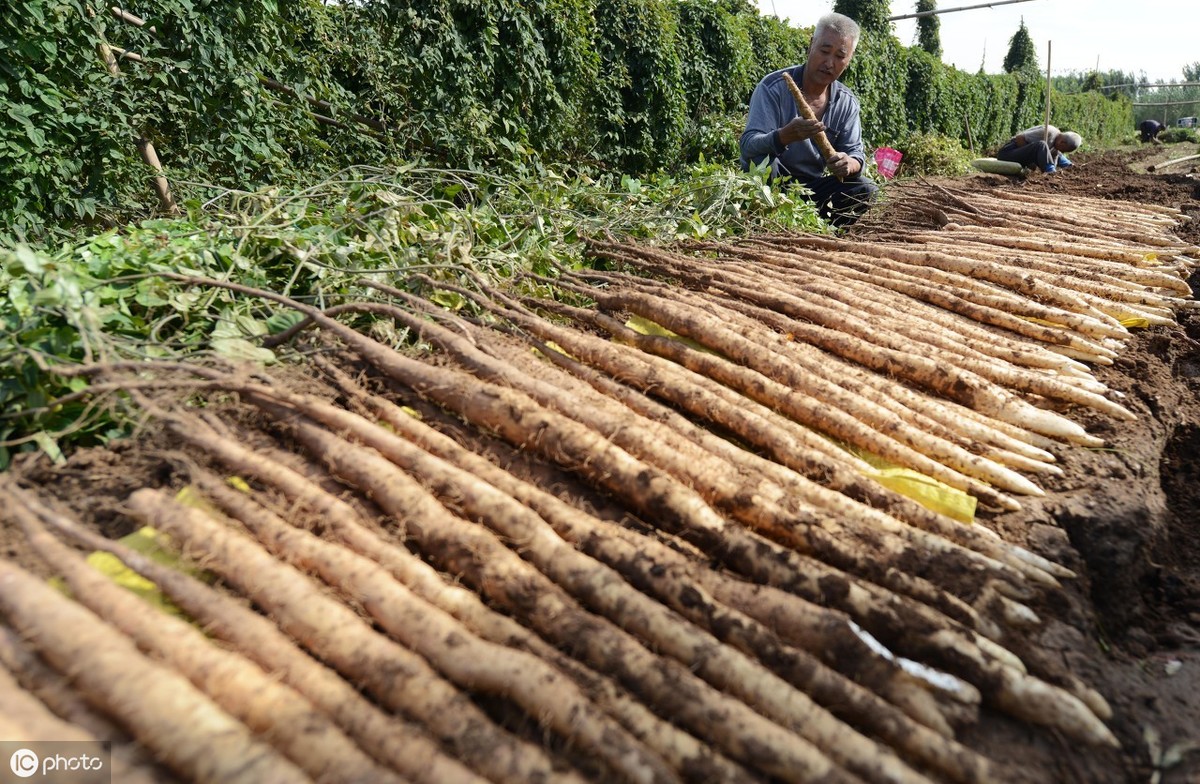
x=712 y=513
x=183 y=727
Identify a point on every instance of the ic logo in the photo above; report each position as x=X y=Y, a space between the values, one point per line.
x=24 y=763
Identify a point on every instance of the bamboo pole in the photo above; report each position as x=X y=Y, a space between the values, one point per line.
x=161 y=186
x=325 y=106
x=320 y=118
x=125 y=16
x=1148 y=86
x=125 y=54
x=1169 y=103
x=936 y=11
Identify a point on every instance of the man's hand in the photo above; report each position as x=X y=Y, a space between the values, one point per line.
x=842 y=165
x=798 y=130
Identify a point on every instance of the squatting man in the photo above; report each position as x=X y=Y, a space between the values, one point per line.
x=776 y=132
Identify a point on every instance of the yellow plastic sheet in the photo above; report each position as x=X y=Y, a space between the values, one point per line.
x=925 y=490
x=154 y=545
x=647 y=327
x=148 y=542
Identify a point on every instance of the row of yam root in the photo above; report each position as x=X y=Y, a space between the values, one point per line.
x=548 y=543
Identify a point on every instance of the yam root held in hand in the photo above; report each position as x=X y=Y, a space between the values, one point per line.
x=819 y=139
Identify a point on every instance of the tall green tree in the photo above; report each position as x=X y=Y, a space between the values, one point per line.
x=928 y=27
x=1021 y=53
x=871 y=15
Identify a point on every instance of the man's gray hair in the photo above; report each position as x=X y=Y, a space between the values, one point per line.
x=1073 y=139
x=841 y=24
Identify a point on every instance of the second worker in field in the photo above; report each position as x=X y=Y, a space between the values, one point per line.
x=777 y=132
x=1042 y=146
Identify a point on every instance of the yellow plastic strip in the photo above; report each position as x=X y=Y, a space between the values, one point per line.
x=927 y=491
x=148 y=542
x=647 y=327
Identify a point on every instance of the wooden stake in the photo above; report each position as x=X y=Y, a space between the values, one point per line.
x=165 y=200
x=125 y=54
x=1046 y=125
x=125 y=16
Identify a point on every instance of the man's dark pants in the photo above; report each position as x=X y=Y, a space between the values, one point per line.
x=1035 y=154
x=841 y=202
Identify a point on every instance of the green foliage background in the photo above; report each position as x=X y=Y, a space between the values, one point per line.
x=627 y=85
x=871 y=15
x=1163 y=100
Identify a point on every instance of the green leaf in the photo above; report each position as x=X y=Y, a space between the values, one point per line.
x=241 y=350
x=281 y=322
x=28 y=261
x=448 y=299
x=21 y=112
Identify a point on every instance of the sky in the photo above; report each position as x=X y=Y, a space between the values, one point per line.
x=1158 y=39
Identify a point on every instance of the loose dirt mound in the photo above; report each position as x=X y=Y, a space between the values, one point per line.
x=644 y=582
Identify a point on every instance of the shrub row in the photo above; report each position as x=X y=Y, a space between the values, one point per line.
x=635 y=85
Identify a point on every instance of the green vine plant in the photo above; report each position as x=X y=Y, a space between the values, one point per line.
x=102 y=299
x=637 y=86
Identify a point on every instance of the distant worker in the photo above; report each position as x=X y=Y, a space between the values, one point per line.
x=1150 y=130
x=776 y=132
x=1035 y=148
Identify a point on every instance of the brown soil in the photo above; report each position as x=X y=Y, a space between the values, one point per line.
x=1126 y=518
